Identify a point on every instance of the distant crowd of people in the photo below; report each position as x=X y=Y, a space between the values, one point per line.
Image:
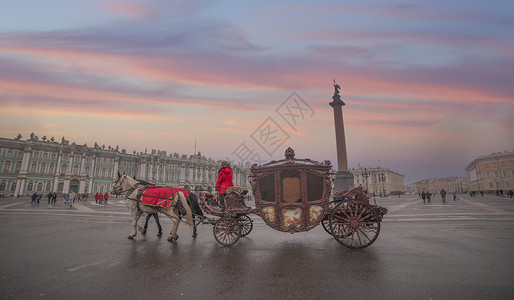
x=69 y=198
x=427 y=196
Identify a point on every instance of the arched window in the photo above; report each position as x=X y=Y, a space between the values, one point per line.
x=33 y=167
x=30 y=187
x=48 y=186
x=104 y=172
x=39 y=187
x=76 y=169
x=42 y=169
x=63 y=168
x=87 y=169
x=17 y=166
x=13 y=186
x=3 y=186
x=60 y=187
x=101 y=188
x=7 y=166
x=51 y=168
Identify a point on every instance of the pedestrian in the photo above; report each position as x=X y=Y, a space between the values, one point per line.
x=96 y=198
x=482 y=193
x=54 y=198
x=156 y=217
x=443 y=195
x=423 y=196
x=38 y=198
x=33 y=197
x=100 y=198
x=66 y=198
x=454 y=196
x=428 y=197
x=72 y=198
x=49 y=196
x=106 y=196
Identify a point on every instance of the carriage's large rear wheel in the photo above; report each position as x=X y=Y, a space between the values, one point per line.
x=354 y=224
x=227 y=231
x=246 y=224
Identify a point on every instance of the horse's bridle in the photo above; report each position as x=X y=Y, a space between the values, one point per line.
x=118 y=182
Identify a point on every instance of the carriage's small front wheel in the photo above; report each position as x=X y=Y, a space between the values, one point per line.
x=246 y=224
x=354 y=224
x=227 y=231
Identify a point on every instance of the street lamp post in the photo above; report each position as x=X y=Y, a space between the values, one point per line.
x=382 y=178
x=366 y=175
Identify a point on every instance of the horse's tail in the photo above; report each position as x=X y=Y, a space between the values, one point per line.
x=195 y=207
x=189 y=214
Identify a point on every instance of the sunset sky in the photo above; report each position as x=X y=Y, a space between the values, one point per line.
x=428 y=85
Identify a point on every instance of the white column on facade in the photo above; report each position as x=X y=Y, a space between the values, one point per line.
x=57 y=170
x=182 y=173
x=70 y=164
x=116 y=166
x=25 y=161
x=82 y=164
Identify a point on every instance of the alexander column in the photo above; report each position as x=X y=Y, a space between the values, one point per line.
x=344 y=179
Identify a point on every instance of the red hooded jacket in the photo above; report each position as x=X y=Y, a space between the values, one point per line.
x=224 y=179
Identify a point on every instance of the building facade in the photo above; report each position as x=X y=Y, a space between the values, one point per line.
x=435 y=185
x=492 y=172
x=380 y=181
x=45 y=165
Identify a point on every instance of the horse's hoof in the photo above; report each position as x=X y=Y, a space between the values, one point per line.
x=159 y=234
x=172 y=238
x=143 y=232
x=194 y=235
x=130 y=237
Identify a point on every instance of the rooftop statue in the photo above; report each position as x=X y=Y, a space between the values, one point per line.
x=337 y=88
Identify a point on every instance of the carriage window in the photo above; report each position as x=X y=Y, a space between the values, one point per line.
x=267 y=188
x=291 y=187
x=315 y=187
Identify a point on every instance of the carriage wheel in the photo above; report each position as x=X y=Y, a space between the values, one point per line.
x=326 y=224
x=227 y=231
x=354 y=224
x=246 y=224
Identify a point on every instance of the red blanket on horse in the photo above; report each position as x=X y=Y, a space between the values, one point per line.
x=158 y=196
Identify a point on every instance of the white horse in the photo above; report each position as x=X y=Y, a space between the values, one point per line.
x=130 y=187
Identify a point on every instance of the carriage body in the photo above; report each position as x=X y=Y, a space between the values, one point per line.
x=292 y=195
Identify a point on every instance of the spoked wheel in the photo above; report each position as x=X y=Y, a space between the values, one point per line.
x=354 y=224
x=227 y=231
x=326 y=220
x=326 y=224
x=246 y=224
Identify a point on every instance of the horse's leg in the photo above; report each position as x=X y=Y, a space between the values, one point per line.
x=173 y=234
x=194 y=226
x=135 y=217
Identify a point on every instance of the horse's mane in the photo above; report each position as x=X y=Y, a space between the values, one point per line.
x=140 y=181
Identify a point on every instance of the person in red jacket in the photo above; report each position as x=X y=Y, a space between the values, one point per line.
x=96 y=198
x=106 y=196
x=224 y=178
x=224 y=181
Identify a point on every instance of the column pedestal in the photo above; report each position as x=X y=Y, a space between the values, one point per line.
x=343 y=181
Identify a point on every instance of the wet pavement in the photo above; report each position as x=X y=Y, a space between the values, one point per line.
x=458 y=250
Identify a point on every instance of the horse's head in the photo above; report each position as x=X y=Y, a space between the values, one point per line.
x=122 y=184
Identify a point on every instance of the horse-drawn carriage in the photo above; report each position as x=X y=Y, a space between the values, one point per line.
x=293 y=195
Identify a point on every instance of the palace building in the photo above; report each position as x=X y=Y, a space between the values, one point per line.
x=380 y=181
x=45 y=165
x=435 y=185
x=492 y=172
